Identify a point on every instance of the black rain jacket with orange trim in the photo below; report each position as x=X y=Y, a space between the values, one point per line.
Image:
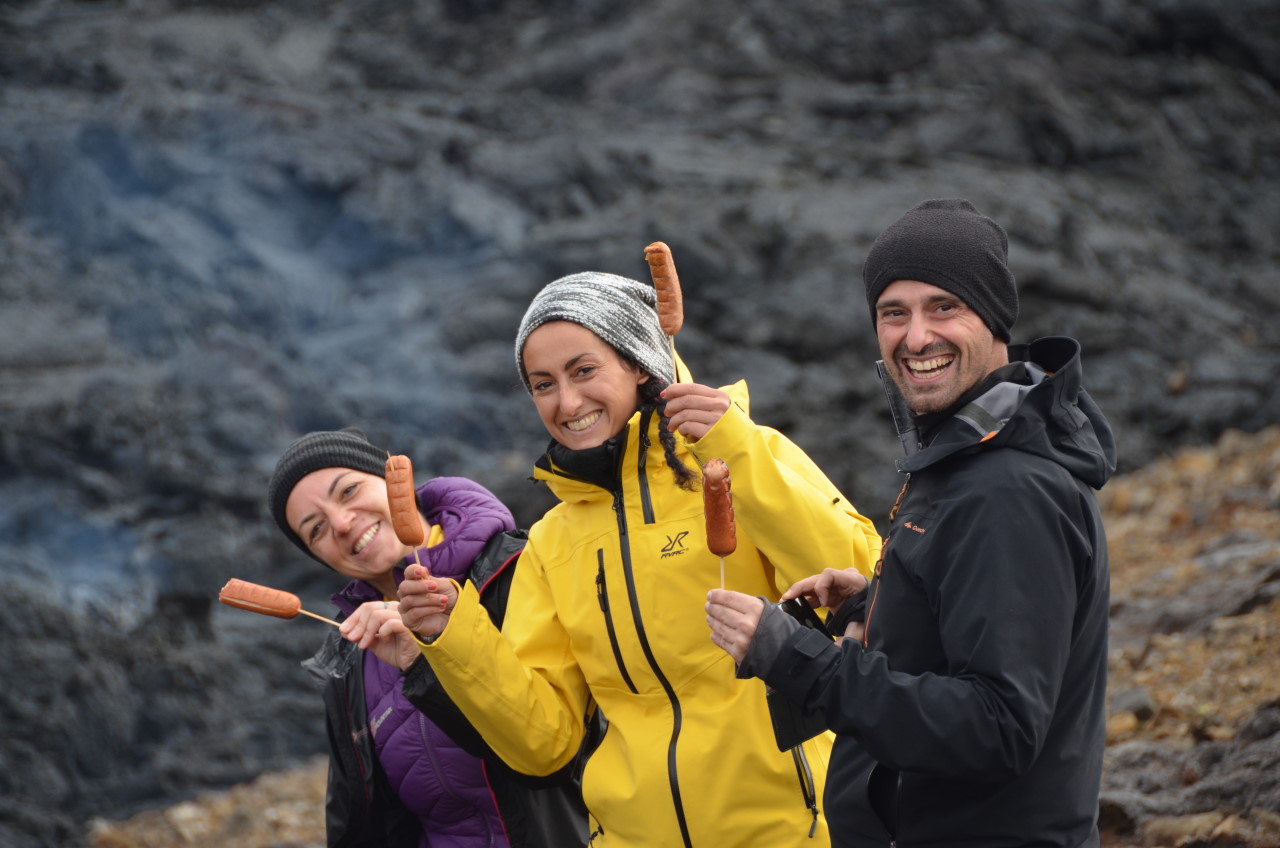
x=973 y=714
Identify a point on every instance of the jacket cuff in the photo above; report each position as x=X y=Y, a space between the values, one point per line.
x=772 y=632
x=425 y=642
x=419 y=677
x=798 y=666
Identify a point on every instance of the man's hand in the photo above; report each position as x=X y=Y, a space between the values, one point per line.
x=733 y=618
x=376 y=626
x=693 y=409
x=425 y=601
x=829 y=589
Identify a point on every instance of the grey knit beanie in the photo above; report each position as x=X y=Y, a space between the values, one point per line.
x=346 y=448
x=621 y=311
x=949 y=244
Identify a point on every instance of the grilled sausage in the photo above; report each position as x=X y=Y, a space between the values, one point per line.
x=717 y=504
x=263 y=599
x=403 y=501
x=663 y=270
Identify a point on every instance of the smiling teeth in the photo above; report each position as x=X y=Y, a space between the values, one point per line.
x=584 y=422
x=925 y=365
x=363 y=541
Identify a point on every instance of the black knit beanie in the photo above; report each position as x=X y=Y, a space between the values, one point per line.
x=949 y=244
x=346 y=448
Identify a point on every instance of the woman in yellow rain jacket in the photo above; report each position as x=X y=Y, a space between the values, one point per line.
x=607 y=608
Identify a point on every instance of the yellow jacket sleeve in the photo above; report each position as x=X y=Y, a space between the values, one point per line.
x=521 y=687
x=795 y=515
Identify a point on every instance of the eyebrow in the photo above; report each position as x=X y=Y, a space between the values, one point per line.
x=567 y=365
x=933 y=298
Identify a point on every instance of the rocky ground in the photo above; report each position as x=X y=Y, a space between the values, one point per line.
x=1193 y=753
x=226 y=222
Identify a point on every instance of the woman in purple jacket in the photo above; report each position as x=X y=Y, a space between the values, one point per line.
x=405 y=768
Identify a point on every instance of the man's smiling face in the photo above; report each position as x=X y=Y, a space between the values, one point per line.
x=935 y=347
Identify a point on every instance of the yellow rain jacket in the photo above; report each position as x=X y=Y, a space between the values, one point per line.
x=607 y=610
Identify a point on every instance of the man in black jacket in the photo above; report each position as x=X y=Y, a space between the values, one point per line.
x=969 y=705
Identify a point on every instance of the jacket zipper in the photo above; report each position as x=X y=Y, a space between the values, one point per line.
x=602 y=595
x=619 y=508
x=646 y=502
x=871 y=607
x=807 y=789
x=897 y=810
x=866 y=635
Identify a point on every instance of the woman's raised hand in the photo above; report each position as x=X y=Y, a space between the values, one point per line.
x=376 y=626
x=693 y=409
x=426 y=601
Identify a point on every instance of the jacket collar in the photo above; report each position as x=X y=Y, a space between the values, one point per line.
x=597 y=465
x=992 y=399
x=1036 y=404
x=580 y=475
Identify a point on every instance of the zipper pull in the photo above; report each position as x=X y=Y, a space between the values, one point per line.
x=601 y=598
x=619 y=510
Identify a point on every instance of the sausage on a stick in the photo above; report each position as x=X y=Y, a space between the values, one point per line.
x=265 y=600
x=717 y=507
x=403 y=501
x=670 y=303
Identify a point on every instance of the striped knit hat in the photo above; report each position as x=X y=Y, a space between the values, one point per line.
x=347 y=448
x=621 y=311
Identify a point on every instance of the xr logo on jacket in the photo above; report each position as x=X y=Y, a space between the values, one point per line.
x=675 y=545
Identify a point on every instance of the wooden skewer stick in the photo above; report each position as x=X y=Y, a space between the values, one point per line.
x=319 y=617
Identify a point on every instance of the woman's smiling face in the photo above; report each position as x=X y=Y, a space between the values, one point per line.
x=584 y=391
x=343 y=517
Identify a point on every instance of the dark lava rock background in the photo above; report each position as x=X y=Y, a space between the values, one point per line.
x=223 y=224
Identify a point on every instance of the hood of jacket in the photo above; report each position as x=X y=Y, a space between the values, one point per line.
x=1049 y=415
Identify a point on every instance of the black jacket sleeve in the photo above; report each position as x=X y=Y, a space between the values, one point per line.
x=997 y=576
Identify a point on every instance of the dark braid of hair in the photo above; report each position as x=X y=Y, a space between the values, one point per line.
x=651 y=393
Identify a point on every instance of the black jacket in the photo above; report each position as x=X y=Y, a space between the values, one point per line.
x=361 y=809
x=973 y=713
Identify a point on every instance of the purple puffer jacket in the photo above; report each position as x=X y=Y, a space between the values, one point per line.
x=437 y=781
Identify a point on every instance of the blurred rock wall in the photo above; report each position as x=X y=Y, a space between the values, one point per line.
x=223 y=224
